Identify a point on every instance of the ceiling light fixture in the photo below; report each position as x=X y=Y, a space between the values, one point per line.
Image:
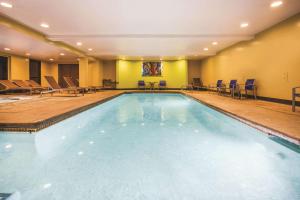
x=62 y=54
x=44 y=25
x=244 y=25
x=205 y=49
x=6 y=5
x=215 y=43
x=27 y=54
x=7 y=49
x=276 y=4
x=51 y=59
x=78 y=43
x=90 y=49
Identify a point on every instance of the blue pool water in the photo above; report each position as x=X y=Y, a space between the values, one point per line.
x=148 y=147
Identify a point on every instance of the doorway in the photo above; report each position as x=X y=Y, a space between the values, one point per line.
x=35 y=70
x=3 y=68
x=68 y=70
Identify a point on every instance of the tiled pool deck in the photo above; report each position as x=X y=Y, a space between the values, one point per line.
x=39 y=112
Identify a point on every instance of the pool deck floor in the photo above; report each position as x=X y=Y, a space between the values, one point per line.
x=35 y=109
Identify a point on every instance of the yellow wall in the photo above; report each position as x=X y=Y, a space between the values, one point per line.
x=272 y=58
x=129 y=72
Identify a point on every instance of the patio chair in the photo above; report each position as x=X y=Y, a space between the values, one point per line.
x=25 y=84
x=9 y=86
x=56 y=88
x=220 y=87
x=197 y=84
x=71 y=84
x=141 y=84
x=34 y=84
x=162 y=84
x=249 y=86
x=295 y=94
x=234 y=88
x=109 y=84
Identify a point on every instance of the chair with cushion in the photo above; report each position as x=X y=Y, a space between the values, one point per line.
x=162 y=84
x=141 y=84
x=197 y=83
x=234 y=88
x=220 y=87
x=249 y=87
x=295 y=94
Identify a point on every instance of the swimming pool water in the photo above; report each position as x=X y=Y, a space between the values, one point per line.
x=148 y=146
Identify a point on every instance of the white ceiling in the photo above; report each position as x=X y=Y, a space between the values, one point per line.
x=150 y=28
x=21 y=44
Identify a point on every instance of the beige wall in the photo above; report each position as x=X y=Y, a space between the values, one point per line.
x=95 y=73
x=109 y=70
x=194 y=69
x=49 y=69
x=19 y=68
x=272 y=58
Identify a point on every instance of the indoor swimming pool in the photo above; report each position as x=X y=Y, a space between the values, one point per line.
x=149 y=147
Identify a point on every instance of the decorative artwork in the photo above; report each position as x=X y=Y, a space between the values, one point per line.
x=152 y=69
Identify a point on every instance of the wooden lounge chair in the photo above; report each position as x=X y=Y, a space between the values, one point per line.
x=295 y=94
x=71 y=84
x=56 y=88
x=109 y=84
x=10 y=87
x=34 y=84
x=25 y=84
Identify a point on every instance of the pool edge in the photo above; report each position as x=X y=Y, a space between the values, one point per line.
x=37 y=126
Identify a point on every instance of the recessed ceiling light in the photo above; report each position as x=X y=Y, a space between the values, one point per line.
x=90 y=49
x=6 y=5
x=62 y=54
x=7 y=49
x=44 y=25
x=78 y=43
x=51 y=59
x=215 y=43
x=244 y=25
x=276 y=4
x=205 y=49
x=27 y=54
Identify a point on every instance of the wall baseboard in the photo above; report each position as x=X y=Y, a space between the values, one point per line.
x=276 y=100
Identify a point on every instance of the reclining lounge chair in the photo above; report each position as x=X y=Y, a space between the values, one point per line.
x=71 y=84
x=25 y=84
x=12 y=87
x=56 y=88
x=295 y=94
